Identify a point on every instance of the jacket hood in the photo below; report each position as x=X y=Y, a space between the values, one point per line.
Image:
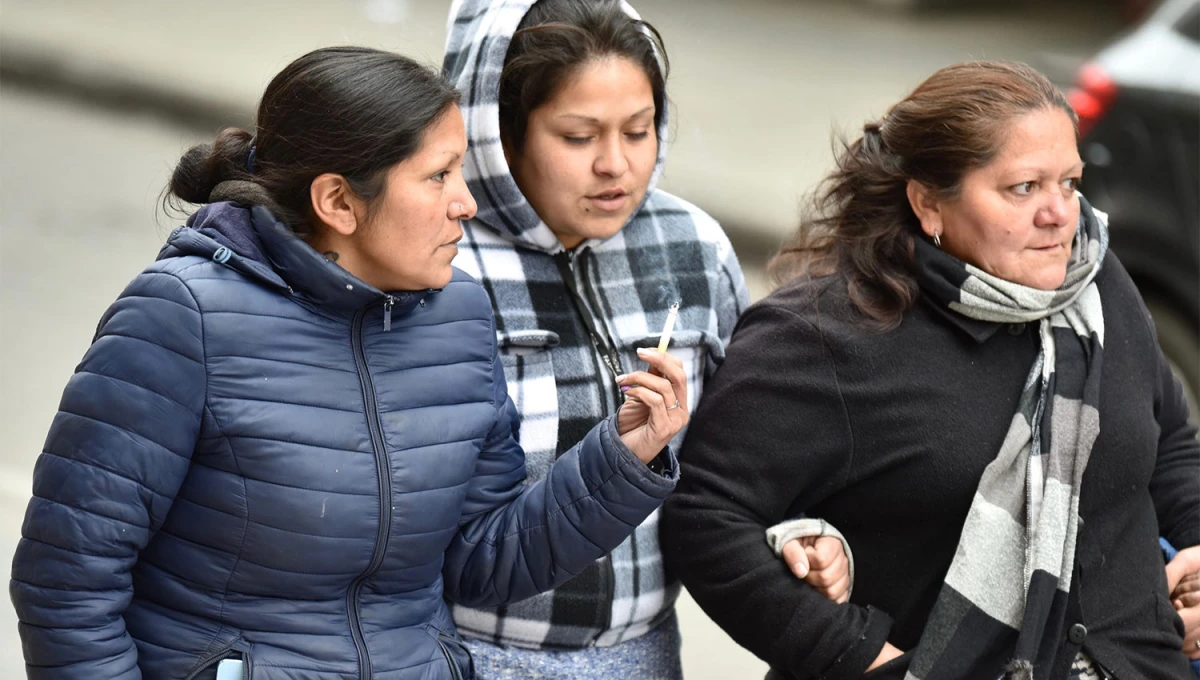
x=253 y=242
x=478 y=34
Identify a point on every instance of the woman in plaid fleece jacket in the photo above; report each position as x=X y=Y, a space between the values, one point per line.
x=565 y=109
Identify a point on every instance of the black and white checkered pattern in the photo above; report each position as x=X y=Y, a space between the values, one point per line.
x=669 y=250
x=1003 y=603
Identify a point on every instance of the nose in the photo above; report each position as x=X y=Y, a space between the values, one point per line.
x=1054 y=211
x=464 y=207
x=612 y=161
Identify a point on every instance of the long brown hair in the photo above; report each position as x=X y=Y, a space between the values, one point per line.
x=860 y=223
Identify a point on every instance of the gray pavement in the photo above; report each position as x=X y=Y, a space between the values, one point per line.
x=128 y=84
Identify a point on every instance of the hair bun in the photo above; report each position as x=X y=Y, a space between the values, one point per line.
x=204 y=166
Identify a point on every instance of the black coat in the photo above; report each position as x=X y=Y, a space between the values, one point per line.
x=886 y=435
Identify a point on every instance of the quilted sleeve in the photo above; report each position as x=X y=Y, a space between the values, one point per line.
x=114 y=458
x=517 y=540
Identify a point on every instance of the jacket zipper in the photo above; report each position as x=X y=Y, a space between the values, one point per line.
x=597 y=331
x=606 y=348
x=388 y=301
x=382 y=470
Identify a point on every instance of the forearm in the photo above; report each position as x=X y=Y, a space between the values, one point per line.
x=591 y=499
x=724 y=560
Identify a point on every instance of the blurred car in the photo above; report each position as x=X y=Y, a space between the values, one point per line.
x=1138 y=102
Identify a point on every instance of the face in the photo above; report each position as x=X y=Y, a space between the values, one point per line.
x=589 y=151
x=410 y=240
x=1015 y=218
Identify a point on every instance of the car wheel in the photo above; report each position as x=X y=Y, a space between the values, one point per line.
x=1180 y=342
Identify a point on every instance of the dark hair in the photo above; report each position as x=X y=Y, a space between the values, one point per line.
x=353 y=111
x=860 y=222
x=558 y=37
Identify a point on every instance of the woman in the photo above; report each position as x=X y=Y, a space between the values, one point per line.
x=960 y=377
x=583 y=257
x=291 y=438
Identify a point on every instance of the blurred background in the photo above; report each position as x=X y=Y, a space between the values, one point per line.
x=99 y=99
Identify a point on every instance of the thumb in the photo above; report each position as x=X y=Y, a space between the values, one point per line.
x=797 y=560
x=1186 y=562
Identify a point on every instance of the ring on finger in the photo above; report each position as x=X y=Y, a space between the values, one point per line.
x=675 y=405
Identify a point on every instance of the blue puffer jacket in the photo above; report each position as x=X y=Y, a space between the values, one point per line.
x=262 y=456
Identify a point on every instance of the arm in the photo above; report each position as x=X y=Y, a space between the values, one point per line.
x=117 y=451
x=1175 y=486
x=765 y=444
x=517 y=540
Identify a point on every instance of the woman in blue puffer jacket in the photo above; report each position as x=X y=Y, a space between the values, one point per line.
x=291 y=441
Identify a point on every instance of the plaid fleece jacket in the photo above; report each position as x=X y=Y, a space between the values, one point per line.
x=562 y=316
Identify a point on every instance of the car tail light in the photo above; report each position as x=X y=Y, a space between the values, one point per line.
x=1093 y=93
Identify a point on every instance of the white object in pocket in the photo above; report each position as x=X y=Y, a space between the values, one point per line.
x=231 y=669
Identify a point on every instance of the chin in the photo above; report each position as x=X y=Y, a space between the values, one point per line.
x=1047 y=280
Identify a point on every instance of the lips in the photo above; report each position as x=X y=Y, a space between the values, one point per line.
x=610 y=200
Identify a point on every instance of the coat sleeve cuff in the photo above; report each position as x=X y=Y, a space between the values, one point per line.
x=658 y=484
x=854 y=662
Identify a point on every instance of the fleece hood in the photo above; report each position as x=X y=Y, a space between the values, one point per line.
x=478 y=35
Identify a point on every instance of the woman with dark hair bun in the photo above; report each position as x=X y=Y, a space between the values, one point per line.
x=959 y=375
x=291 y=443
x=586 y=261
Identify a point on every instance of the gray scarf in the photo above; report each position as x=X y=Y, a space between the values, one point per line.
x=1002 y=607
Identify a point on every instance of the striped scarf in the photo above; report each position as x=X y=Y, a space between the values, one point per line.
x=1001 y=610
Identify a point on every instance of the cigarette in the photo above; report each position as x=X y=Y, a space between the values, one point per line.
x=668 y=327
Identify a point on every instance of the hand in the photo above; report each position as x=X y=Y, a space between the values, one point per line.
x=885 y=655
x=1191 y=628
x=1183 y=583
x=822 y=563
x=1186 y=563
x=655 y=407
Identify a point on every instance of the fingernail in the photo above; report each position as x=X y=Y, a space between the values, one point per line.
x=624 y=388
x=644 y=350
x=622 y=377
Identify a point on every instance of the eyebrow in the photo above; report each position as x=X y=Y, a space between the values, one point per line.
x=590 y=119
x=1016 y=171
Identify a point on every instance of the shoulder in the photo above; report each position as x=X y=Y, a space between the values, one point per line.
x=1119 y=297
x=680 y=221
x=820 y=302
x=467 y=296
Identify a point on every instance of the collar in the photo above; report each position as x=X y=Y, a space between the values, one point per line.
x=318 y=279
x=979 y=331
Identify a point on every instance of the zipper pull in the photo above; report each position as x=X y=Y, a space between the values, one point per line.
x=387 y=312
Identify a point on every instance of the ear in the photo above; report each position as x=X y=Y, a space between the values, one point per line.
x=926 y=206
x=335 y=204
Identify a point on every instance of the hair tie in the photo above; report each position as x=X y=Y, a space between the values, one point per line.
x=250 y=159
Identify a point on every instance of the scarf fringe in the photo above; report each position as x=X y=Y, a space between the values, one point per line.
x=1018 y=669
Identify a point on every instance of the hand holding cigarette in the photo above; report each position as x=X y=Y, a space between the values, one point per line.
x=655 y=407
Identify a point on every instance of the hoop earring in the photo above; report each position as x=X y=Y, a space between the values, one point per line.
x=937 y=239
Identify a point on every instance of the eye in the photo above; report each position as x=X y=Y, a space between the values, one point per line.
x=1023 y=189
x=441 y=176
x=577 y=141
x=638 y=136
x=1070 y=184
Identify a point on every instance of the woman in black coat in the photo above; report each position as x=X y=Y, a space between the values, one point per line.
x=962 y=379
